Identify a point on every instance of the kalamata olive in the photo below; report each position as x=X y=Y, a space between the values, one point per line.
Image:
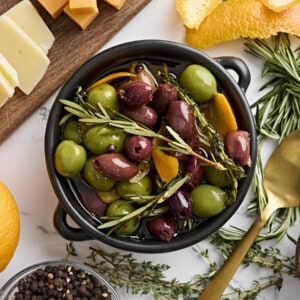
x=115 y=166
x=180 y=205
x=145 y=115
x=90 y=199
x=163 y=96
x=195 y=170
x=162 y=227
x=180 y=118
x=138 y=147
x=135 y=93
x=237 y=146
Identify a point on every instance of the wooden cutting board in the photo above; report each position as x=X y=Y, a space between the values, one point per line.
x=72 y=47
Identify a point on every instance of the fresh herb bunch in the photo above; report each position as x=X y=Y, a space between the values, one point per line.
x=277 y=114
x=145 y=277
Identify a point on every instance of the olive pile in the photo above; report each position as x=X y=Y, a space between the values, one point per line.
x=120 y=167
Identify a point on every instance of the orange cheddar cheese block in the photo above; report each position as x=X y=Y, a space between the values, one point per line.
x=54 y=7
x=118 y=4
x=82 y=19
x=83 y=6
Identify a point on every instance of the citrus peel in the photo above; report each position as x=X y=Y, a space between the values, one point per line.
x=192 y=12
x=279 y=5
x=9 y=226
x=252 y=19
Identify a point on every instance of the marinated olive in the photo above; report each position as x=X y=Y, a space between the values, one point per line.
x=106 y=95
x=95 y=179
x=115 y=166
x=237 y=146
x=180 y=117
x=102 y=138
x=207 y=200
x=135 y=94
x=195 y=170
x=217 y=177
x=199 y=82
x=162 y=227
x=69 y=158
x=180 y=205
x=121 y=208
x=138 y=147
x=163 y=96
x=72 y=131
x=141 y=188
x=143 y=114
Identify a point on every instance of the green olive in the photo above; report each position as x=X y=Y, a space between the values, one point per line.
x=207 y=200
x=95 y=179
x=106 y=95
x=141 y=188
x=101 y=139
x=199 y=82
x=217 y=177
x=69 y=158
x=120 y=208
x=72 y=131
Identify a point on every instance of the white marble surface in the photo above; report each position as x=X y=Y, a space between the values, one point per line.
x=22 y=168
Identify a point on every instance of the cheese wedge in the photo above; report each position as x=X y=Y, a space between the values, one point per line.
x=28 y=59
x=8 y=71
x=6 y=90
x=83 y=6
x=118 y=4
x=25 y=15
x=82 y=19
x=54 y=7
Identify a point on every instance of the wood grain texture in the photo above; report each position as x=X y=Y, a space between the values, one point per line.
x=72 y=47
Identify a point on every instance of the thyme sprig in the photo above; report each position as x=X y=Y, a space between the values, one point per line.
x=213 y=138
x=277 y=114
x=145 y=277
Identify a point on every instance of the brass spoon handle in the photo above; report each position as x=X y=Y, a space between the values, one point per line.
x=216 y=287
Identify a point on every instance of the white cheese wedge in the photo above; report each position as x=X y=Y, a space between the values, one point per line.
x=6 y=90
x=25 y=15
x=8 y=71
x=28 y=59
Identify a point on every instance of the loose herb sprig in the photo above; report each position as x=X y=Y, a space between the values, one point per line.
x=145 y=277
x=277 y=114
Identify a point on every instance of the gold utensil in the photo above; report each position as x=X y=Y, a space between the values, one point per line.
x=282 y=185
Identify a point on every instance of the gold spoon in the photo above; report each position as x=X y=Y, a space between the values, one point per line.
x=282 y=185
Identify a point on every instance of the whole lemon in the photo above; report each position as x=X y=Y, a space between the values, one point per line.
x=9 y=226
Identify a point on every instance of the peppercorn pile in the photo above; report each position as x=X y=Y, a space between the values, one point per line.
x=61 y=282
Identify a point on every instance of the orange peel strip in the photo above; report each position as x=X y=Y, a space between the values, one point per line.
x=233 y=19
x=111 y=77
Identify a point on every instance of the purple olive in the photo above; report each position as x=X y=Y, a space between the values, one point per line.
x=138 y=148
x=145 y=115
x=135 y=93
x=162 y=227
x=195 y=170
x=115 y=166
x=90 y=199
x=180 y=117
x=163 y=96
x=180 y=205
x=237 y=146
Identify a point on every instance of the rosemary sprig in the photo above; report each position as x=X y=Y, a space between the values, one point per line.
x=277 y=114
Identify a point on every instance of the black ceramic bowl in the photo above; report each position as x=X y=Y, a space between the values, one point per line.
x=176 y=56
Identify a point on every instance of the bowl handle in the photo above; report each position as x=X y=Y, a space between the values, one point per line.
x=239 y=66
x=65 y=230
